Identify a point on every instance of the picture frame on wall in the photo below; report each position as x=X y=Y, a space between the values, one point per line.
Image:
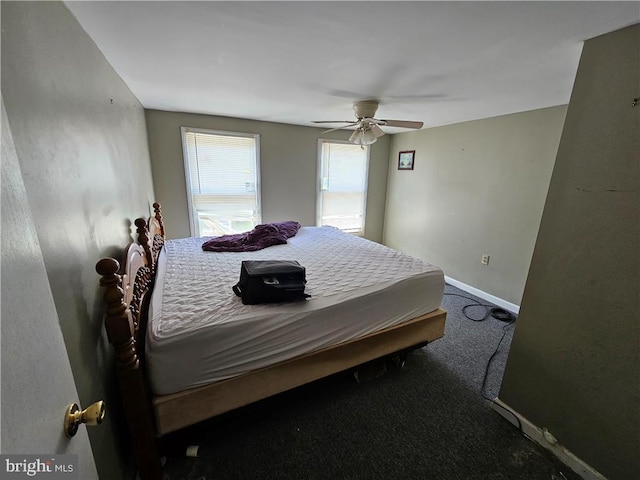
x=406 y=159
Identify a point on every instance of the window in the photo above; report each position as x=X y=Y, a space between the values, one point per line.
x=222 y=181
x=342 y=194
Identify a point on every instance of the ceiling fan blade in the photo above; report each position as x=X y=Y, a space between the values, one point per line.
x=402 y=123
x=340 y=128
x=332 y=121
x=376 y=130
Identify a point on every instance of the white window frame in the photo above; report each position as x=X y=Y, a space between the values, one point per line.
x=193 y=223
x=322 y=141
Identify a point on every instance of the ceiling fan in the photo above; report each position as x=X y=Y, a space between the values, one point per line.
x=367 y=127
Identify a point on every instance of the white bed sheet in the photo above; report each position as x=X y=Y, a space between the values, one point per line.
x=199 y=332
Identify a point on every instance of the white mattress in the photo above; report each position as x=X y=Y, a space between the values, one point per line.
x=200 y=332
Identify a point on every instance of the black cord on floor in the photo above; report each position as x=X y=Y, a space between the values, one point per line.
x=495 y=352
x=498 y=314
x=490 y=310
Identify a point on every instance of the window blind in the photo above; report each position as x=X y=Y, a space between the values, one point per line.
x=343 y=185
x=222 y=172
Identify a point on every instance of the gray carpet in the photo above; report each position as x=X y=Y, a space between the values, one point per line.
x=428 y=420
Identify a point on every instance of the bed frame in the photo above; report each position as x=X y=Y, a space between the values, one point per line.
x=151 y=417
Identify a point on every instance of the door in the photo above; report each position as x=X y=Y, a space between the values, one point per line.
x=36 y=379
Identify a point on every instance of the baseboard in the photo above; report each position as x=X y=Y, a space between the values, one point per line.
x=546 y=439
x=511 y=307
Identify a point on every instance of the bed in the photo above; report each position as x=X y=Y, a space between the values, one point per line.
x=187 y=349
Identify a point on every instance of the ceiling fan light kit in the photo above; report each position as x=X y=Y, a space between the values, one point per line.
x=363 y=136
x=367 y=127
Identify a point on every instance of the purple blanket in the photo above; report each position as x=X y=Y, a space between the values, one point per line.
x=262 y=236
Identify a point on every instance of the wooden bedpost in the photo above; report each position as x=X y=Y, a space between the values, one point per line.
x=143 y=239
x=157 y=209
x=135 y=394
x=118 y=321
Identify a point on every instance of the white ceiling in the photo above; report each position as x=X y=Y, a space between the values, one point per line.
x=293 y=62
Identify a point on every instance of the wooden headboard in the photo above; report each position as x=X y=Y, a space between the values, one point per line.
x=127 y=295
x=138 y=273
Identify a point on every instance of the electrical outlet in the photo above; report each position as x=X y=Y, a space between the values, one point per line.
x=485 y=260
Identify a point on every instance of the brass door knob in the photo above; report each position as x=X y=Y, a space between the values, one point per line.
x=93 y=415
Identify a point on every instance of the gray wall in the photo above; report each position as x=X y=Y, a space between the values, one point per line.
x=288 y=169
x=77 y=130
x=477 y=188
x=574 y=365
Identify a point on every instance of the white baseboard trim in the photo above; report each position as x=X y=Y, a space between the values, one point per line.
x=546 y=439
x=512 y=307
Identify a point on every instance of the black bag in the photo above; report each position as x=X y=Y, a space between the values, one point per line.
x=270 y=281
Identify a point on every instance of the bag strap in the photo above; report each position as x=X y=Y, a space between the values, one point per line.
x=238 y=291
